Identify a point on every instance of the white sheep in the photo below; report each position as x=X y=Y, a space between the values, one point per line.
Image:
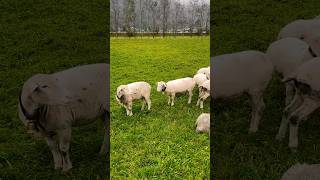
x=205 y=71
x=302 y=172
x=177 y=86
x=301 y=29
x=203 y=123
x=126 y=94
x=243 y=72
x=306 y=81
x=287 y=55
x=51 y=104
x=204 y=93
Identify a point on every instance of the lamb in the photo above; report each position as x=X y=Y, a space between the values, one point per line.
x=287 y=55
x=51 y=104
x=204 y=92
x=306 y=80
x=243 y=72
x=126 y=94
x=203 y=123
x=301 y=29
x=205 y=71
x=302 y=171
x=177 y=86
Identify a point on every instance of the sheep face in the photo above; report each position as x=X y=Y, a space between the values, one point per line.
x=204 y=92
x=203 y=125
x=201 y=128
x=161 y=86
x=43 y=90
x=38 y=92
x=121 y=91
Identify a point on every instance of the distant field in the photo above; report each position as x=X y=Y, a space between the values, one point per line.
x=45 y=37
x=161 y=143
x=254 y=24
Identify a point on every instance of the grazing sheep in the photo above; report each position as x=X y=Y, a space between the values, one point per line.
x=306 y=82
x=126 y=94
x=287 y=55
x=301 y=29
x=302 y=172
x=203 y=123
x=177 y=86
x=243 y=72
x=205 y=71
x=204 y=92
x=51 y=104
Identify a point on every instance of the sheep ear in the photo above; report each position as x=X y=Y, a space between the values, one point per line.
x=315 y=45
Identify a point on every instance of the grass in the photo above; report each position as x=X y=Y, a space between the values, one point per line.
x=161 y=143
x=44 y=37
x=254 y=24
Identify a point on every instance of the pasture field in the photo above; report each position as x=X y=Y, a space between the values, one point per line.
x=46 y=37
x=254 y=24
x=161 y=143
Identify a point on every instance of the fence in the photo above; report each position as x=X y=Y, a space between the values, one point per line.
x=156 y=34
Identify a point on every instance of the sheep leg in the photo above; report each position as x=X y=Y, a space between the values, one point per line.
x=293 y=136
x=199 y=97
x=55 y=152
x=291 y=106
x=64 y=137
x=148 y=103
x=201 y=103
x=169 y=99
x=257 y=110
x=130 y=108
x=143 y=104
x=190 y=96
x=302 y=113
x=172 y=96
x=127 y=110
x=104 y=147
x=203 y=98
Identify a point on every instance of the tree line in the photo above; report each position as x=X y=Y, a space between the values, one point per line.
x=159 y=17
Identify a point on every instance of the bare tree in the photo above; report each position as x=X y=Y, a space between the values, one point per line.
x=154 y=12
x=177 y=13
x=130 y=17
x=115 y=13
x=192 y=15
x=151 y=16
x=165 y=13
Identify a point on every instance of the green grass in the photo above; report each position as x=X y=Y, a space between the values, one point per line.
x=254 y=24
x=44 y=37
x=161 y=143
